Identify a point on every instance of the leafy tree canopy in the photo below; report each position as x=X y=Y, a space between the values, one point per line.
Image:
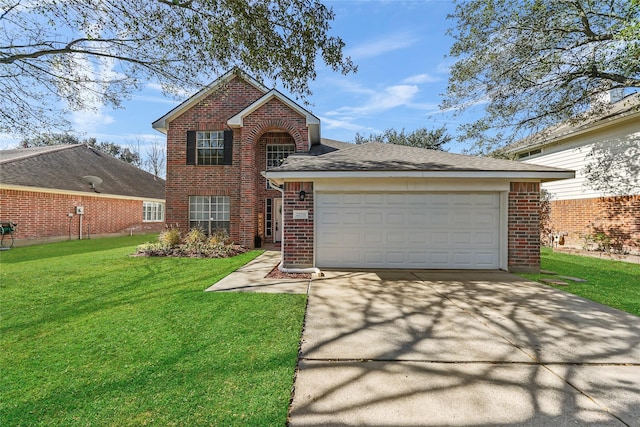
x=76 y=54
x=123 y=153
x=535 y=63
x=424 y=138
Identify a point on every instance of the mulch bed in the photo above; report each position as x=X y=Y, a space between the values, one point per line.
x=277 y=274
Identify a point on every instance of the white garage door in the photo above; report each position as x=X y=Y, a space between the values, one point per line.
x=408 y=230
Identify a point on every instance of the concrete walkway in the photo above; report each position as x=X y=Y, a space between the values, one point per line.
x=251 y=278
x=427 y=348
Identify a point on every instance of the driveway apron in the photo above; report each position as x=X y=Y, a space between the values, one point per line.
x=428 y=348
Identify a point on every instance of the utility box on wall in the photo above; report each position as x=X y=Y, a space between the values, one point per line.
x=79 y=210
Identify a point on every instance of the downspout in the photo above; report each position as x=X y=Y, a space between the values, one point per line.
x=281 y=265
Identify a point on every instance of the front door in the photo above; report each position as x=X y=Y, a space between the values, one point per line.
x=277 y=219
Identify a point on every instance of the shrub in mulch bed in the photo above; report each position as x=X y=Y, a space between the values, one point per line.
x=190 y=251
x=195 y=244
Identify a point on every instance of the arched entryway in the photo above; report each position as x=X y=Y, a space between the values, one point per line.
x=273 y=147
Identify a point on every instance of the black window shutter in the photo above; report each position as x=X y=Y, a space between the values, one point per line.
x=191 y=147
x=228 y=147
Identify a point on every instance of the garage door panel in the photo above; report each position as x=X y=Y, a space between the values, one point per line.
x=485 y=239
x=374 y=237
x=408 y=230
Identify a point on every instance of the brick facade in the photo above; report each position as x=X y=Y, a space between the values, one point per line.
x=183 y=180
x=44 y=216
x=523 y=233
x=241 y=180
x=297 y=249
x=617 y=217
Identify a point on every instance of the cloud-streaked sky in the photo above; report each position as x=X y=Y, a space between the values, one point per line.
x=399 y=46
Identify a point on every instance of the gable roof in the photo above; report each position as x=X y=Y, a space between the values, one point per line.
x=378 y=159
x=313 y=123
x=62 y=167
x=628 y=108
x=161 y=124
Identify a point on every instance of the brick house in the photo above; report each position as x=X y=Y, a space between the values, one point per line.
x=52 y=194
x=581 y=207
x=249 y=160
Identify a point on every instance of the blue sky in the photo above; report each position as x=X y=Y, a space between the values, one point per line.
x=400 y=48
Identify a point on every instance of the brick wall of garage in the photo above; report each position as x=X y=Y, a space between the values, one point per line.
x=298 y=234
x=43 y=216
x=524 y=227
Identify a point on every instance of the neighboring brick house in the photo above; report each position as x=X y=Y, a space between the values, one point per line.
x=249 y=160
x=606 y=207
x=48 y=192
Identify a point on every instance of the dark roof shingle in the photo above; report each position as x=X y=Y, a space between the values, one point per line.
x=376 y=156
x=63 y=166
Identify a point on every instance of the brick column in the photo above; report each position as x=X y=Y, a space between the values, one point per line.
x=524 y=227
x=297 y=234
x=248 y=194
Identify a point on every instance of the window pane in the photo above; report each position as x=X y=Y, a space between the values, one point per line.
x=209 y=213
x=210 y=147
x=276 y=153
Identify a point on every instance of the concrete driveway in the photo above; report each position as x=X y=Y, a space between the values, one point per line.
x=462 y=348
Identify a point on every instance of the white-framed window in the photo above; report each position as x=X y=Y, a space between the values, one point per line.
x=276 y=153
x=209 y=147
x=152 y=212
x=209 y=213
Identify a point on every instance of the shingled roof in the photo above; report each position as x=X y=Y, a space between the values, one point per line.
x=628 y=108
x=62 y=167
x=376 y=156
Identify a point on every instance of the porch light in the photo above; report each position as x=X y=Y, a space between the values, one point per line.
x=302 y=195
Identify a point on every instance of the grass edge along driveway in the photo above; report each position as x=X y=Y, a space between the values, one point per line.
x=612 y=283
x=92 y=336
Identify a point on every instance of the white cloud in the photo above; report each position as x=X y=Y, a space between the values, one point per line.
x=381 y=46
x=379 y=101
x=154 y=99
x=344 y=124
x=9 y=140
x=88 y=121
x=445 y=67
x=420 y=78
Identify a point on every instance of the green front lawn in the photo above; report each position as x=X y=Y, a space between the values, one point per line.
x=92 y=336
x=613 y=283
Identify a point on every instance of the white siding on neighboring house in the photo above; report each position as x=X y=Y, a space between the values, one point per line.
x=574 y=154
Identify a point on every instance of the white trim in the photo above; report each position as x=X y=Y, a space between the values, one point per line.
x=237 y=120
x=162 y=123
x=504 y=231
x=312 y=122
x=77 y=193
